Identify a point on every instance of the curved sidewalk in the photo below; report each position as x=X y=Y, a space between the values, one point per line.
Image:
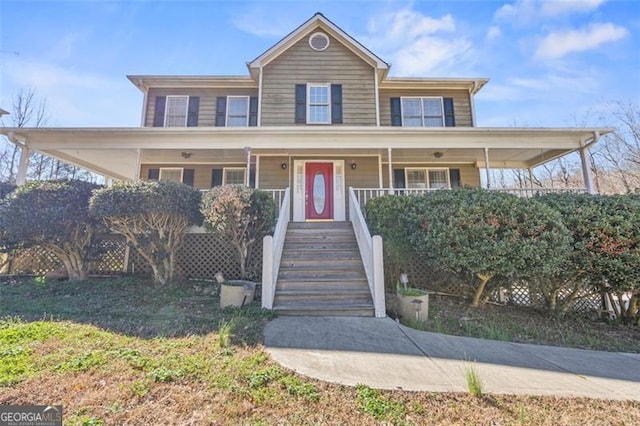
x=383 y=354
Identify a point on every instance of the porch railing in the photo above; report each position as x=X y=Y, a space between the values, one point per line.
x=363 y=195
x=276 y=194
x=371 y=253
x=272 y=251
x=530 y=192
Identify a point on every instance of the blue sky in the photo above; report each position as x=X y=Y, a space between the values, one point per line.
x=551 y=63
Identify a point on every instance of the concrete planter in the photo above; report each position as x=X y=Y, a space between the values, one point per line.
x=407 y=307
x=236 y=293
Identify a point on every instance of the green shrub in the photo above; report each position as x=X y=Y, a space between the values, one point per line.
x=54 y=215
x=478 y=235
x=153 y=217
x=606 y=244
x=240 y=215
x=388 y=216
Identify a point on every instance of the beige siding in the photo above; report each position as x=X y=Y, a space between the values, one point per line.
x=469 y=174
x=300 y=64
x=461 y=103
x=207 y=110
x=201 y=173
x=271 y=174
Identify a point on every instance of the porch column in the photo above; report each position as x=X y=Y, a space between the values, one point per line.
x=136 y=174
x=247 y=151
x=486 y=167
x=390 y=172
x=586 y=169
x=21 y=177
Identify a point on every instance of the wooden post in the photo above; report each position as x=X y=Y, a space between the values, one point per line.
x=267 y=272
x=378 y=278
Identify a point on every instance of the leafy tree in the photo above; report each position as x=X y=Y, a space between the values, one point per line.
x=241 y=215
x=606 y=243
x=478 y=234
x=6 y=189
x=54 y=215
x=153 y=217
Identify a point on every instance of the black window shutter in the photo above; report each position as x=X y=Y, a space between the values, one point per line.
x=449 y=118
x=336 y=103
x=153 y=174
x=252 y=176
x=221 y=111
x=253 y=111
x=194 y=106
x=158 y=115
x=216 y=177
x=398 y=178
x=301 y=103
x=454 y=178
x=187 y=176
x=396 y=112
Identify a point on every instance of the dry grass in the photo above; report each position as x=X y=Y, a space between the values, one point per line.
x=105 y=374
x=451 y=315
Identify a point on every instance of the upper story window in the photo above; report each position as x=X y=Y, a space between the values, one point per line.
x=237 y=111
x=427 y=178
x=422 y=112
x=176 y=111
x=318 y=103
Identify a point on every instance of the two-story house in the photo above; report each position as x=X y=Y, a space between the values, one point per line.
x=316 y=113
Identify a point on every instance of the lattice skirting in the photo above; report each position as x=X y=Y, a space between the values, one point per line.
x=421 y=275
x=201 y=256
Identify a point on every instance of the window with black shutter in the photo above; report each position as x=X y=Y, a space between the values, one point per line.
x=158 y=113
x=396 y=112
x=301 y=103
x=192 y=115
x=336 y=103
x=221 y=111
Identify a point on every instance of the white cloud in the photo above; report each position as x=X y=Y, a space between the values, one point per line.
x=493 y=33
x=529 y=11
x=416 y=44
x=560 y=43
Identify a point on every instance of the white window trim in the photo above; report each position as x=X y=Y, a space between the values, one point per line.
x=226 y=123
x=421 y=108
x=426 y=175
x=186 y=111
x=328 y=86
x=172 y=169
x=233 y=169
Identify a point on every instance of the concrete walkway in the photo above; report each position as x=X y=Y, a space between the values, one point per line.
x=383 y=354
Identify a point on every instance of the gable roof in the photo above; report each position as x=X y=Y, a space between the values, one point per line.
x=318 y=21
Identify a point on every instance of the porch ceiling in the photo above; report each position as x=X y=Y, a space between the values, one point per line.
x=114 y=152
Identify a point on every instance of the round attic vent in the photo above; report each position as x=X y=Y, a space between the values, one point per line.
x=319 y=41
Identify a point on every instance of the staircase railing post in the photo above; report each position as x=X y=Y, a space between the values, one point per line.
x=267 y=272
x=378 y=277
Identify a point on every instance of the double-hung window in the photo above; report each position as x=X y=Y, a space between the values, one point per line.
x=176 y=111
x=171 y=174
x=427 y=178
x=234 y=176
x=422 y=112
x=318 y=103
x=237 y=111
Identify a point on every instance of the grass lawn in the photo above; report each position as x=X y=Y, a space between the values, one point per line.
x=121 y=351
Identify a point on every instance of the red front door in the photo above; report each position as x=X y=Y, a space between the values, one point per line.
x=318 y=191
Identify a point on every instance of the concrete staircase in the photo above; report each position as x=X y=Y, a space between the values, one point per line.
x=321 y=272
